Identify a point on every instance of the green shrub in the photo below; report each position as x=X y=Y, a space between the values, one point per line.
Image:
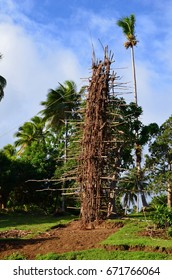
x=158 y=201
x=162 y=216
x=170 y=232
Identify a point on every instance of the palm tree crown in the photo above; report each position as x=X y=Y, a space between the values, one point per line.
x=128 y=26
x=30 y=131
x=61 y=103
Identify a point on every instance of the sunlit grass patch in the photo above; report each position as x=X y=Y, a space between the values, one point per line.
x=101 y=254
x=129 y=236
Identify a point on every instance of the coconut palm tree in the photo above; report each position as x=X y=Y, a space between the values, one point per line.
x=30 y=131
x=128 y=27
x=60 y=104
x=9 y=151
x=129 y=192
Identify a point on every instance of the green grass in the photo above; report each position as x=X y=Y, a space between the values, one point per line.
x=128 y=236
x=15 y=256
x=36 y=223
x=101 y=254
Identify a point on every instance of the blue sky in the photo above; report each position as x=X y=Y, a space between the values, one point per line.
x=44 y=42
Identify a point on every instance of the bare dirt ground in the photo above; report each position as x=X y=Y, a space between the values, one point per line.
x=57 y=240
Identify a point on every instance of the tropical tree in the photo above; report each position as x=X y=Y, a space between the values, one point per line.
x=13 y=174
x=33 y=130
x=9 y=151
x=61 y=103
x=60 y=108
x=5 y=186
x=129 y=124
x=127 y=189
x=37 y=145
x=3 y=84
x=39 y=148
x=128 y=27
x=159 y=162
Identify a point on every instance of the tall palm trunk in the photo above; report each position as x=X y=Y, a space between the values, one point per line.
x=169 y=190
x=138 y=148
x=134 y=75
x=65 y=160
x=169 y=195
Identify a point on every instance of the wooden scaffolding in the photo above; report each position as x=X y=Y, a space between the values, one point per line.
x=100 y=142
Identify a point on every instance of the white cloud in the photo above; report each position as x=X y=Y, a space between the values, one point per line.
x=37 y=56
x=31 y=65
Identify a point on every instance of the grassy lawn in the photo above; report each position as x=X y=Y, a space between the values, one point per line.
x=36 y=223
x=126 y=238
x=101 y=254
x=129 y=236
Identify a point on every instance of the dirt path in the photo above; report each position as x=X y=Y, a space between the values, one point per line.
x=58 y=240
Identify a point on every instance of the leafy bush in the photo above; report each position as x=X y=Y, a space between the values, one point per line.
x=162 y=216
x=159 y=200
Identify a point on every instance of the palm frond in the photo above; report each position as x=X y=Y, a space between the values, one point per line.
x=123 y=24
x=60 y=102
x=128 y=27
x=132 y=23
x=3 y=84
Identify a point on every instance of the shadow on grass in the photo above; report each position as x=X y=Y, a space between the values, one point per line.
x=9 y=220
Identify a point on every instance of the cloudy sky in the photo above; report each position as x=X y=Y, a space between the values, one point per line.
x=45 y=42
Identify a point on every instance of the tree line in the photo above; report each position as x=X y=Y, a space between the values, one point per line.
x=35 y=169
x=39 y=152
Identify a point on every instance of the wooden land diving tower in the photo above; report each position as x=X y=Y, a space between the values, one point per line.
x=97 y=142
